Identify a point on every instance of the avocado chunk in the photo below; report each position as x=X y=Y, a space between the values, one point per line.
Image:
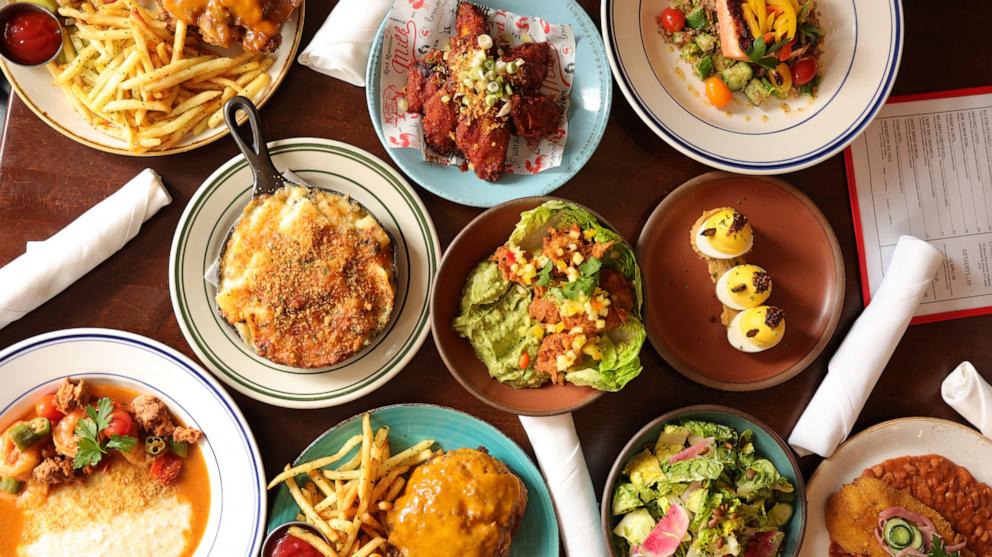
x=737 y=76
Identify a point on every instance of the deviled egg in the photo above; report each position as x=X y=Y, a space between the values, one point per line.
x=723 y=234
x=744 y=286
x=757 y=329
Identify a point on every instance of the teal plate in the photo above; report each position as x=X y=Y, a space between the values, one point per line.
x=767 y=442
x=592 y=96
x=411 y=423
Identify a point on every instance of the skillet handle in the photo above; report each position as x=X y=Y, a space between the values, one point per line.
x=267 y=178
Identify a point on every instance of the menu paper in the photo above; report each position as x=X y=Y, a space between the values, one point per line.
x=924 y=168
x=414 y=27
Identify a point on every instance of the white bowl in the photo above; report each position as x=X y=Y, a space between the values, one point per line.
x=862 y=49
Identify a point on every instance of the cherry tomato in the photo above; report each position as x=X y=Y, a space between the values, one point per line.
x=717 y=92
x=45 y=407
x=165 y=468
x=120 y=424
x=803 y=71
x=672 y=20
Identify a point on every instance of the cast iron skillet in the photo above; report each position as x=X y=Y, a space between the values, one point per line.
x=269 y=180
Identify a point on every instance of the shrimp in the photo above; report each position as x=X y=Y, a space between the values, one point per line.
x=64 y=433
x=15 y=463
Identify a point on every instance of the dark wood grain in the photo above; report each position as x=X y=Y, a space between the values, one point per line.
x=46 y=180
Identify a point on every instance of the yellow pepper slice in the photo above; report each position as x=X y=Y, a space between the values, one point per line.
x=752 y=21
x=785 y=23
x=781 y=78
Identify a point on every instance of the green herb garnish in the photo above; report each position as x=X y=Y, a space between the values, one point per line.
x=89 y=448
x=759 y=53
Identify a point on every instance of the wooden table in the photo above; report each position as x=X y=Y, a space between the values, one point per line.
x=46 y=180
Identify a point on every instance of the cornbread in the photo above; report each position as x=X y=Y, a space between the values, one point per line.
x=307 y=277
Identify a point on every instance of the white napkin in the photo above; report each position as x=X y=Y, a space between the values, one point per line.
x=858 y=363
x=967 y=392
x=341 y=46
x=560 y=456
x=49 y=266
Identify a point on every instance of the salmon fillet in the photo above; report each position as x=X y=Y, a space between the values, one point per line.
x=735 y=37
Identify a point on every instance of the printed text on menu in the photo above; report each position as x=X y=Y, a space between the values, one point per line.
x=924 y=168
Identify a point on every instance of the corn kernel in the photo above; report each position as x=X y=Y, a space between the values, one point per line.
x=576 y=330
x=577 y=258
x=559 y=327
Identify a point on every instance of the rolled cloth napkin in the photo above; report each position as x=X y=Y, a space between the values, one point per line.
x=967 y=392
x=560 y=456
x=49 y=266
x=342 y=44
x=858 y=363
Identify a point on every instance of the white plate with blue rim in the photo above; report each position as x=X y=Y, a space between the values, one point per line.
x=201 y=233
x=236 y=519
x=862 y=49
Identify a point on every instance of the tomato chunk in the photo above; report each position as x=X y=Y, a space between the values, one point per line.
x=166 y=467
x=120 y=424
x=45 y=408
x=803 y=71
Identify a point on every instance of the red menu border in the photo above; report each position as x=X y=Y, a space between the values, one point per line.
x=852 y=188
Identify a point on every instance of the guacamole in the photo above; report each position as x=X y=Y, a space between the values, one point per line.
x=559 y=302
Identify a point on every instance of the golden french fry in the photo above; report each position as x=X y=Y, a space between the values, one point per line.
x=162 y=72
x=76 y=67
x=311 y=515
x=317 y=543
x=167 y=127
x=367 y=549
x=348 y=446
x=192 y=71
x=136 y=105
x=115 y=79
x=195 y=101
x=179 y=43
x=105 y=35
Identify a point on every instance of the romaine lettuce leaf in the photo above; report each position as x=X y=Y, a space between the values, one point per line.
x=692 y=470
x=643 y=470
x=621 y=359
x=625 y=499
x=709 y=429
x=635 y=527
x=757 y=480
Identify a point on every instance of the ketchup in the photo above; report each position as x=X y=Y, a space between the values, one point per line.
x=30 y=36
x=288 y=546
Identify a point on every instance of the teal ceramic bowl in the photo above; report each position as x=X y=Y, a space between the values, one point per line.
x=588 y=112
x=537 y=535
x=768 y=444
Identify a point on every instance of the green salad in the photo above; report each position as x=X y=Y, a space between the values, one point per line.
x=701 y=490
x=559 y=302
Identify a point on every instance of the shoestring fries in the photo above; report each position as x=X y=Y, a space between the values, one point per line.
x=348 y=504
x=134 y=79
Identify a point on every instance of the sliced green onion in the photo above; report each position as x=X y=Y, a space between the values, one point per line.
x=511 y=68
x=508 y=89
x=488 y=64
x=493 y=87
x=500 y=66
x=519 y=61
x=491 y=100
x=484 y=41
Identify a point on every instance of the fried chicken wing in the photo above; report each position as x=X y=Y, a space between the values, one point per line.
x=535 y=57
x=424 y=79
x=253 y=23
x=469 y=20
x=440 y=121
x=484 y=141
x=534 y=116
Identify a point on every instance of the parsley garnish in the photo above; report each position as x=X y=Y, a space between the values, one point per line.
x=760 y=54
x=939 y=549
x=89 y=448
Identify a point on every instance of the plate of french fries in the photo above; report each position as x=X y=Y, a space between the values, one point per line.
x=130 y=82
x=346 y=481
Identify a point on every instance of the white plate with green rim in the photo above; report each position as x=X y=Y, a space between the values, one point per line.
x=200 y=235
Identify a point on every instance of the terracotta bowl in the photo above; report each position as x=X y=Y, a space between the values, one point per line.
x=792 y=241
x=767 y=443
x=474 y=243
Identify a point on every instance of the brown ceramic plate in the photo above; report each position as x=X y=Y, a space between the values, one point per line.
x=792 y=240
x=768 y=444
x=474 y=243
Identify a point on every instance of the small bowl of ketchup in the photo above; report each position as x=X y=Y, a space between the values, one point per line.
x=30 y=35
x=280 y=544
